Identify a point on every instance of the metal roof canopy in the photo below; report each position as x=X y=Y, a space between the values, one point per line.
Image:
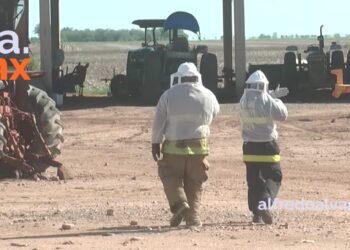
x=181 y=20
x=50 y=40
x=149 y=23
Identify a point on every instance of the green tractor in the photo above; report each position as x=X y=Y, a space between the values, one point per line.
x=149 y=68
x=302 y=76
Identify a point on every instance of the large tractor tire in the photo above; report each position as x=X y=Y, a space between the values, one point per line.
x=48 y=121
x=150 y=89
x=337 y=60
x=209 y=71
x=119 y=87
x=290 y=74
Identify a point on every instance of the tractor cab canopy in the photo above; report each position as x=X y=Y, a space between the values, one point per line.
x=181 y=20
x=152 y=24
x=149 y=23
x=176 y=21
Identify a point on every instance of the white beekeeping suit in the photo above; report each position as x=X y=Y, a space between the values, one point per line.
x=183 y=116
x=259 y=109
x=186 y=110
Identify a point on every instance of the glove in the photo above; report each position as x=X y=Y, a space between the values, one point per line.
x=156 y=151
x=279 y=92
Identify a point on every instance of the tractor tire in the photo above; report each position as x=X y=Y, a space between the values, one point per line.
x=337 y=60
x=119 y=87
x=48 y=121
x=150 y=89
x=290 y=74
x=209 y=71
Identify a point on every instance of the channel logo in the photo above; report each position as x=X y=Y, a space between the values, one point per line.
x=13 y=68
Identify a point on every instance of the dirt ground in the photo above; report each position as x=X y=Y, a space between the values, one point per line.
x=107 y=150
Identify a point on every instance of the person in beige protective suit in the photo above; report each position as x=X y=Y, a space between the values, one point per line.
x=183 y=115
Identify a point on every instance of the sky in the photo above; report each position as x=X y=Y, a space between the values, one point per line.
x=285 y=17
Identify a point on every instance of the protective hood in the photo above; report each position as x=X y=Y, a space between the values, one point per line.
x=259 y=110
x=257 y=81
x=186 y=73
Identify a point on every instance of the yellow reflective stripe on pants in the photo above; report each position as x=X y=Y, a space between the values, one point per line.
x=186 y=147
x=261 y=158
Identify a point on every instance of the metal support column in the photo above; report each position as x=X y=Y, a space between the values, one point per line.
x=55 y=35
x=55 y=24
x=46 y=44
x=240 y=48
x=227 y=39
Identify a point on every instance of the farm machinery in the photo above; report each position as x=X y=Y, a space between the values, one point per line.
x=149 y=68
x=30 y=125
x=318 y=70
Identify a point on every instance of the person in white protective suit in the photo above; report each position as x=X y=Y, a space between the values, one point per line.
x=183 y=115
x=259 y=109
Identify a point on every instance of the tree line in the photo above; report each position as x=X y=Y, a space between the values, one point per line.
x=275 y=36
x=110 y=35
x=107 y=35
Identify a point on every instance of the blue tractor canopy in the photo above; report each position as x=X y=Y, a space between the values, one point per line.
x=182 y=20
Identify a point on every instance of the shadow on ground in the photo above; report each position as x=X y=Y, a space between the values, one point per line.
x=123 y=230
x=90 y=102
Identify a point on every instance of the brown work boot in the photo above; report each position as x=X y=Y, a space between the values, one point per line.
x=179 y=214
x=193 y=220
x=257 y=218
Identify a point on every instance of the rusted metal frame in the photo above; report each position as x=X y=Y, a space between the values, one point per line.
x=46 y=157
x=21 y=165
x=12 y=145
x=43 y=159
x=10 y=116
x=12 y=139
x=21 y=158
x=41 y=139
